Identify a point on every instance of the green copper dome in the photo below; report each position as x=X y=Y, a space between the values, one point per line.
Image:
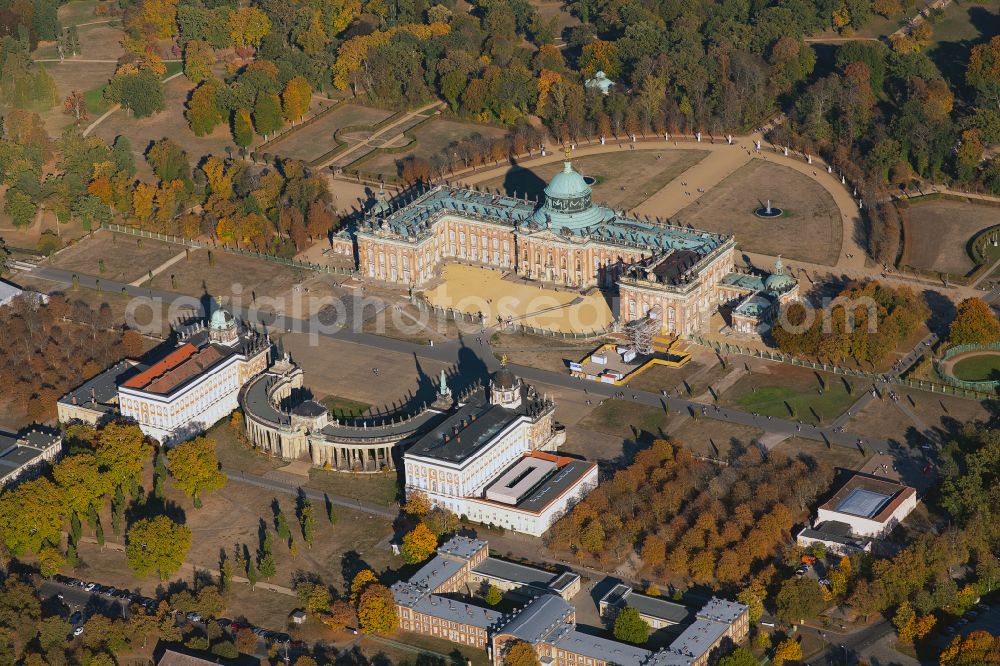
x=567 y=184
x=568 y=203
x=778 y=281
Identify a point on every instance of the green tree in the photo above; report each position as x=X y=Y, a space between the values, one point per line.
x=307 y=521
x=199 y=57
x=195 y=468
x=20 y=207
x=799 y=599
x=4 y=256
x=740 y=657
x=242 y=128
x=267 y=114
x=139 y=92
x=630 y=627
x=493 y=595
x=281 y=525
x=81 y=481
x=203 y=113
x=157 y=545
x=121 y=452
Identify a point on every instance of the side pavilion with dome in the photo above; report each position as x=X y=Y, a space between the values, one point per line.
x=568 y=241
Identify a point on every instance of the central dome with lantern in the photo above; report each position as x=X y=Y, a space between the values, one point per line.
x=568 y=202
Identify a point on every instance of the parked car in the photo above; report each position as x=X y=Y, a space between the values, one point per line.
x=77 y=631
x=193 y=617
x=89 y=587
x=224 y=622
x=75 y=617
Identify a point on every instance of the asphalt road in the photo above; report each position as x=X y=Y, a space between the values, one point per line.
x=478 y=357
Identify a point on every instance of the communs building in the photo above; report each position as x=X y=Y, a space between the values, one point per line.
x=492 y=462
x=431 y=602
x=184 y=393
x=864 y=509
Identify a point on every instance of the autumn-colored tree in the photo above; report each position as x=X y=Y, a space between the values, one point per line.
x=195 y=468
x=974 y=649
x=295 y=98
x=248 y=25
x=74 y=105
x=417 y=504
x=341 y=615
x=203 y=112
x=155 y=18
x=974 y=323
x=157 y=545
x=419 y=544
x=31 y=516
x=788 y=650
x=910 y=625
x=600 y=56
x=983 y=72
x=314 y=38
x=377 y=610
x=360 y=583
x=520 y=653
x=199 y=57
x=320 y=220
x=122 y=451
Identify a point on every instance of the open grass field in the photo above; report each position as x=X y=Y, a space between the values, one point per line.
x=227 y=275
x=626 y=419
x=431 y=138
x=944 y=415
x=810 y=231
x=168 y=123
x=623 y=180
x=791 y=392
x=713 y=439
x=962 y=26
x=939 y=232
x=317 y=139
x=344 y=406
x=978 y=367
x=125 y=258
x=345 y=369
x=479 y=290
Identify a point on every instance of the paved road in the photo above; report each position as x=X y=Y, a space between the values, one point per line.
x=472 y=357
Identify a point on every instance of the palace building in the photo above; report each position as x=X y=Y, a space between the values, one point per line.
x=182 y=394
x=568 y=241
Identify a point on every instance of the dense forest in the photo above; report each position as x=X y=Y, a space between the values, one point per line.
x=884 y=113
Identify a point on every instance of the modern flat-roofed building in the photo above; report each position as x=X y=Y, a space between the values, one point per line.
x=22 y=454
x=866 y=507
x=658 y=613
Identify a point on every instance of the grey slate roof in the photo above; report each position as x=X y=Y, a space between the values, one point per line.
x=457 y=611
x=467 y=429
x=603 y=648
x=100 y=392
x=538 y=620
x=513 y=572
x=623 y=595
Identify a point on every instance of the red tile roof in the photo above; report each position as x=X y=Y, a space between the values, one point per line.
x=178 y=367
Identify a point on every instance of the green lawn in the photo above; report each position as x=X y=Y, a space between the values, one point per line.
x=980 y=368
x=339 y=406
x=626 y=419
x=810 y=406
x=379 y=488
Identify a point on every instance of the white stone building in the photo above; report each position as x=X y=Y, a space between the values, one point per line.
x=488 y=462
x=197 y=384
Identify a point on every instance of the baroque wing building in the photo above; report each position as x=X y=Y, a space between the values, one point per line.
x=569 y=241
